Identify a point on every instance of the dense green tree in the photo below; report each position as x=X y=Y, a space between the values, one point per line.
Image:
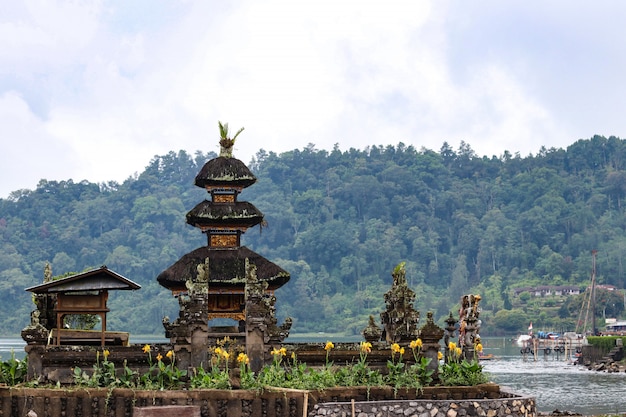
x=513 y=321
x=339 y=221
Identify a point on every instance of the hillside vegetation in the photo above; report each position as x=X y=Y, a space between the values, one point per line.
x=339 y=221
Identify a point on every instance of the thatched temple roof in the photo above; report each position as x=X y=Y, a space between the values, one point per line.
x=240 y=213
x=226 y=269
x=222 y=171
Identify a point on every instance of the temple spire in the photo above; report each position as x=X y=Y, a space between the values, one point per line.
x=226 y=143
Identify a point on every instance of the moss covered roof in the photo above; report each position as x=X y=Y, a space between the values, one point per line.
x=222 y=171
x=208 y=213
x=226 y=268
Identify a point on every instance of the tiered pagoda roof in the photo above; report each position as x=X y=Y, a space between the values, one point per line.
x=226 y=269
x=224 y=220
x=225 y=171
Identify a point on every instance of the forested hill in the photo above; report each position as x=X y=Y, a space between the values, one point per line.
x=339 y=221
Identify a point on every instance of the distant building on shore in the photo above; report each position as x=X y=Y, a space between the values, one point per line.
x=548 y=290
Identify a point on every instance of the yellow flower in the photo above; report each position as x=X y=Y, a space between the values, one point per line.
x=451 y=346
x=457 y=351
x=243 y=358
x=105 y=353
x=159 y=356
x=218 y=351
x=479 y=347
x=401 y=351
x=416 y=344
x=170 y=354
x=282 y=351
x=439 y=355
x=329 y=346
x=366 y=347
x=146 y=348
x=395 y=348
x=225 y=354
x=293 y=355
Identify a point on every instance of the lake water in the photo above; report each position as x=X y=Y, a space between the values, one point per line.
x=8 y=345
x=554 y=383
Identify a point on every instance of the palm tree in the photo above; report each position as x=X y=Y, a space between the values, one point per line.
x=226 y=143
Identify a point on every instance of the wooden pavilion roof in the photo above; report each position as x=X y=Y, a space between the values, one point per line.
x=94 y=280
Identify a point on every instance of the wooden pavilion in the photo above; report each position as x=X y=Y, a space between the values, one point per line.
x=84 y=293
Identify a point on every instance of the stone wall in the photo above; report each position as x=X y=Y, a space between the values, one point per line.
x=509 y=407
x=52 y=364
x=485 y=400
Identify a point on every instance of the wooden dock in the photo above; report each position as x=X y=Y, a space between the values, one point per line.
x=567 y=347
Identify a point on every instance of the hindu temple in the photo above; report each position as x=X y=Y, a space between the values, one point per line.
x=210 y=282
x=225 y=291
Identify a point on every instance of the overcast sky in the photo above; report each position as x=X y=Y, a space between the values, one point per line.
x=94 y=89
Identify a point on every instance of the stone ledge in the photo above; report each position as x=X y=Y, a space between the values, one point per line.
x=485 y=400
x=513 y=406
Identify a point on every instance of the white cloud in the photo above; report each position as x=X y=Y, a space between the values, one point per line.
x=103 y=86
x=46 y=33
x=29 y=151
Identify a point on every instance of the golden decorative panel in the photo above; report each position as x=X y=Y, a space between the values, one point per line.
x=223 y=241
x=234 y=316
x=223 y=198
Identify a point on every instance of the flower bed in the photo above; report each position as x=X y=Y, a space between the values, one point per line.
x=113 y=381
x=156 y=367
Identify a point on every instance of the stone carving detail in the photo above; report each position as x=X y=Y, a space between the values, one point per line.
x=261 y=310
x=372 y=333
x=400 y=319
x=189 y=332
x=469 y=325
x=35 y=332
x=193 y=311
x=42 y=319
x=449 y=335
x=431 y=334
x=47 y=273
x=199 y=286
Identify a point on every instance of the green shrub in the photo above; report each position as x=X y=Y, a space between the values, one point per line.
x=13 y=371
x=605 y=342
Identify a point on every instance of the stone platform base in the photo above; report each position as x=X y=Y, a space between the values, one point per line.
x=485 y=400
